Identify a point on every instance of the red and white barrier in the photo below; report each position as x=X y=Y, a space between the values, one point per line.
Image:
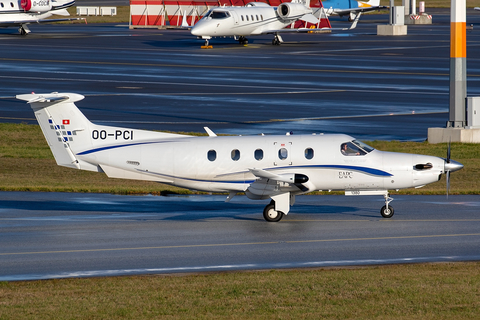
x=144 y=13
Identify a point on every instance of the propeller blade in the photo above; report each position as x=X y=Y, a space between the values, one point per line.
x=448 y=182
x=448 y=152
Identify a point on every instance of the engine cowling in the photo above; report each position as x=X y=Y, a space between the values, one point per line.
x=290 y=10
x=36 y=5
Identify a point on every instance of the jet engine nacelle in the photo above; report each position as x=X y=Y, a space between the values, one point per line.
x=36 y=5
x=290 y=10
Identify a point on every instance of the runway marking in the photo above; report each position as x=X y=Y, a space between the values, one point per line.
x=370 y=71
x=242 y=244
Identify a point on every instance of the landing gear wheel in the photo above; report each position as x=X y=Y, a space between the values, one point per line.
x=242 y=40
x=387 y=213
x=22 y=31
x=275 y=42
x=272 y=215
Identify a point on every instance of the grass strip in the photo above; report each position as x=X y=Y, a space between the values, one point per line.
x=417 y=291
x=27 y=164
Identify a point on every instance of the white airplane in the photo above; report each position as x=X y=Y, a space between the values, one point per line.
x=256 y=18
x=20 y=13
x=277 y=167
x=350 y=7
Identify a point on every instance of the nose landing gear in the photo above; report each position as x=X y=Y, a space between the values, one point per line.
x=387 y=211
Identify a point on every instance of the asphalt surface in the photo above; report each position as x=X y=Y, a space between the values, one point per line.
x=52 y=235
x=355 y=82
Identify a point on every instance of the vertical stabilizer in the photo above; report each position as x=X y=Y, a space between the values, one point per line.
x=63 y=124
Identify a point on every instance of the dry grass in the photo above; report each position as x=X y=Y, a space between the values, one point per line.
x=426 y=291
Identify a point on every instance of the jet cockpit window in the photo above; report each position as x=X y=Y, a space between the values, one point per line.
x=355 y=148
x=219 y=15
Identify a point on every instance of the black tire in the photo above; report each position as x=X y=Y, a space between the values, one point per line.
x=271 y=215
x=387 y=213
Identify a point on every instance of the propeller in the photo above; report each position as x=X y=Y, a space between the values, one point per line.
x=450 y=166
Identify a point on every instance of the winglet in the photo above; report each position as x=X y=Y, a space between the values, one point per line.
x=354 y=24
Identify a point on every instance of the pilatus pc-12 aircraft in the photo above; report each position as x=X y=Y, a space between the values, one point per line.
x=276 y=167
x=257 y=18
x=21 y=13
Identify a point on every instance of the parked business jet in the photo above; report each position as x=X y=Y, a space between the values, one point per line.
x=256 y=18
x=350 y=8
x=277 y=167
x=20 y=13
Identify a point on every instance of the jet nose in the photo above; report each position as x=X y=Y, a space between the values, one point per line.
x=199 y=29
x=452 y=166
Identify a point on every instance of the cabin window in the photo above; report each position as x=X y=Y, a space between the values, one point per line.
x=252 y=17
x=246 y=17
x=258 y=154
x=212 y=155
x=11 y=4
x=235 y=155
x=242 y=18
x=256 y=17
x=261 y=17
x=282 y=154
x=219 y=15
x=309 y=153
x=2 y=4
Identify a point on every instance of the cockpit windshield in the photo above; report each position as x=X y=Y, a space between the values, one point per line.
x=355 y=148
x=219 y=14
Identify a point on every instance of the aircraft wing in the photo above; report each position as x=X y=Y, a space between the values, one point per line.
x=344 y=12
x=22 y=22
x=305 y=30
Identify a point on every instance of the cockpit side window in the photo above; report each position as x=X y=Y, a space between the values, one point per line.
x=363 y=146
x=350 y=149
x=219 y=15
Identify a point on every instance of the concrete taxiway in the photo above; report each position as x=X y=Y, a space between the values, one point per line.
x=355 y=82
x=51 y=235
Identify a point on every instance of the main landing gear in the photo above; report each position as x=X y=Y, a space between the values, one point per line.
x=272 y=215
x=242 y=40
x=23 y=30
x=277 y=40
x=387 y=211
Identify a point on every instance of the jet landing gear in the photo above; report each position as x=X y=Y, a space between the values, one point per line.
x=272 y=215
x=23 y=30
x=387 y=211
x=277 y=40
x=242 y=40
